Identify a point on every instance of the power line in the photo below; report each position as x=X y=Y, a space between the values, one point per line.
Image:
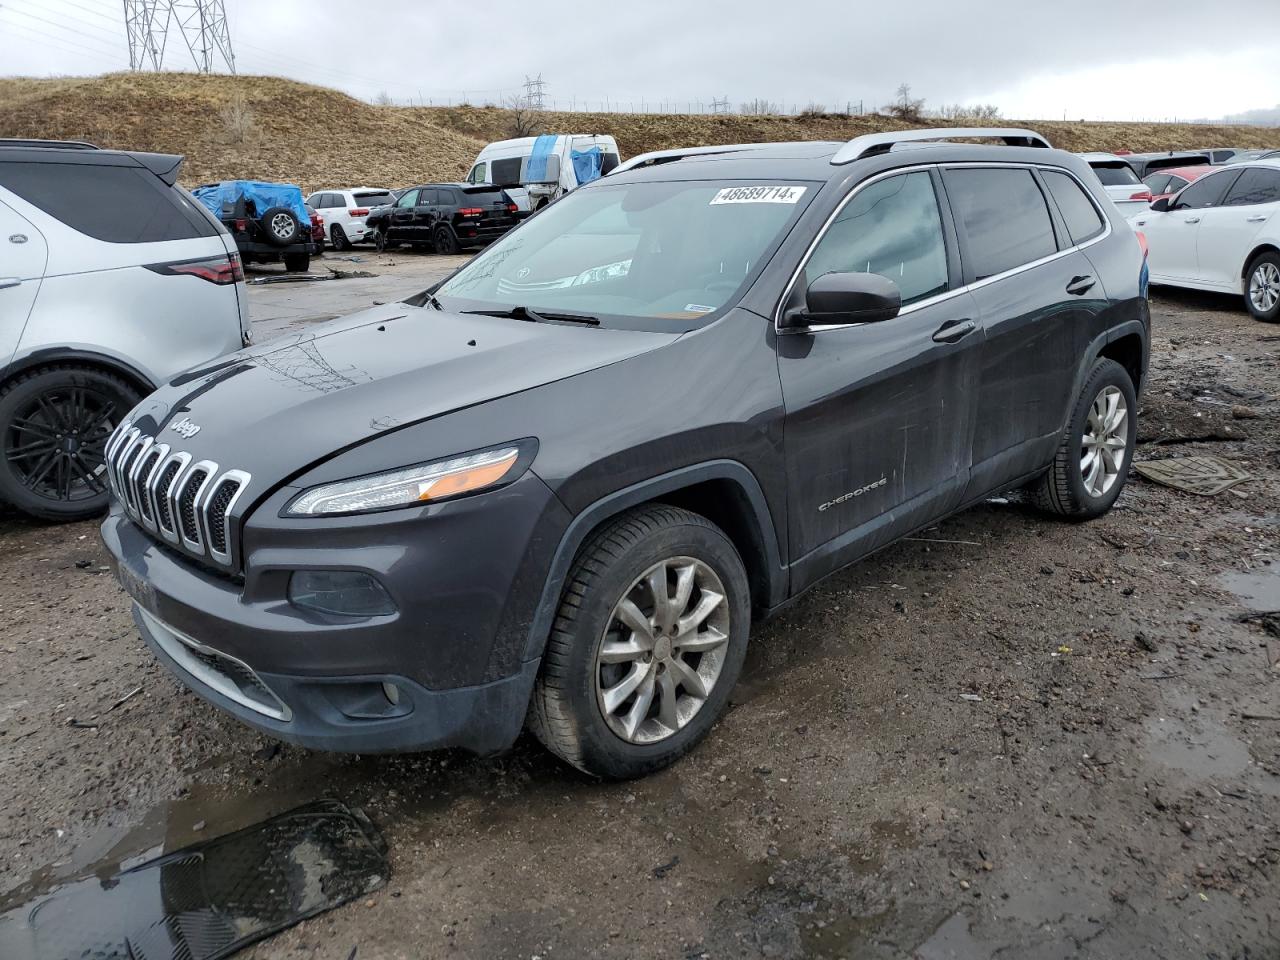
x=60 y=44
x=53 y=23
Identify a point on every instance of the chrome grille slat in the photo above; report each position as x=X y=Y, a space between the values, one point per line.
x=186 y=502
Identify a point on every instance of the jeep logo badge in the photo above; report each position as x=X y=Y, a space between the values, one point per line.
x=185 y=428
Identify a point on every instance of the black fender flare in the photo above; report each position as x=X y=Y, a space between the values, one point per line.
x=1094 y=351
x=54 y=355
x=652 y=489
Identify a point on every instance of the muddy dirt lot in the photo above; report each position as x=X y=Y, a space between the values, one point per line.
x=1010 y=736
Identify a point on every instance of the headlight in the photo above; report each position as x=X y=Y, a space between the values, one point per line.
x=413 y=485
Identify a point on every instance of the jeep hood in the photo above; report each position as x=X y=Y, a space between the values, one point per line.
x=286 y=405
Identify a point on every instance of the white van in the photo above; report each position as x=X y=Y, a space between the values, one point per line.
x=518 y=166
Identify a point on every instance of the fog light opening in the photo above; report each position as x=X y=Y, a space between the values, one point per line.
x=344 y=593
x=392 y=693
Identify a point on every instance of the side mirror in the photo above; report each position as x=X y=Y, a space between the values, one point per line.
x=838 y=298
x=1161 y=205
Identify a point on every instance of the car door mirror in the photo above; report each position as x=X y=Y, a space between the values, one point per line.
x=838 y=298
x=1161 y=205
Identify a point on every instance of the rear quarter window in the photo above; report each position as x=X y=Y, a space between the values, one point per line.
x=1078 y=212
x=1004 y=217
x=116 y=204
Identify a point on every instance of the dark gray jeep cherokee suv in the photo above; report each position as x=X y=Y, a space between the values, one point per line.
x=557 y=487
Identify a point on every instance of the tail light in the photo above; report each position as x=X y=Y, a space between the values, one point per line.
x=1142 y=242
x=470 y=212
x=1141 y=195
x=219 y=270
x=359 y=212
x=241 y=225
x=512 y=208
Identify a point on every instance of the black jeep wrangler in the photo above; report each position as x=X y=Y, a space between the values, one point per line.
x=558 y=487
x=265 y=232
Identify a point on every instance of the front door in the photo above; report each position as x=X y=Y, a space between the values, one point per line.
x=877 y=414
x=1229 y=231
x=400 y=226
x=1173 y=235
x=22 y=260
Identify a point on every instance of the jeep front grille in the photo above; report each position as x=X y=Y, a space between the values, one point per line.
x=181 y=500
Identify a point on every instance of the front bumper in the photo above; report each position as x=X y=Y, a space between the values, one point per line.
x=465 y=575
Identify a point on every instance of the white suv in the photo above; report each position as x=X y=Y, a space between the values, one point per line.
x=1222 y=232
x=112 y=280
x=344 y=212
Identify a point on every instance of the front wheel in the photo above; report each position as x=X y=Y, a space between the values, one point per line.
x=647 y=644
x=54 y=425
x=1262 y=279
x=1092 y=462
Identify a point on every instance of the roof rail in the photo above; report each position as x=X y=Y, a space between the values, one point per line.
x=876 y=143
x=59 y=144
x=655 y=157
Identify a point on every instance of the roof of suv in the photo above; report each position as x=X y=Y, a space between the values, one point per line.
x=163 y=165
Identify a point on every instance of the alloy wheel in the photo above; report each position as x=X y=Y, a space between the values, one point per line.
x=56 y=443
x=1264 y=287
x=282 y=226
x=1105 y=440
x=662 y=650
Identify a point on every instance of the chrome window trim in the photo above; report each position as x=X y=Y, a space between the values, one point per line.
x=946 y=295
x=224 y=557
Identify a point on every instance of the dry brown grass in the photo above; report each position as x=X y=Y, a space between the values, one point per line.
x=317 y=137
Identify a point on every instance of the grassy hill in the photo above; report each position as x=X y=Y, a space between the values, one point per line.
x=274 y=129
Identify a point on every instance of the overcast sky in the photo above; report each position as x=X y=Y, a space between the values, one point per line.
x=1092 y=59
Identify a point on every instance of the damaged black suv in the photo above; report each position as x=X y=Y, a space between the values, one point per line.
x=557 y=488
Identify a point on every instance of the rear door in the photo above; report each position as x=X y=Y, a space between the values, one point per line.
x=1229 y=231
x=878 y=415
x=23 y=254
x=400 y=224
x=1037 y=296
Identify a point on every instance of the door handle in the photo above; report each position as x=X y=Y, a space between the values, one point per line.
x=954 y=330
x=1191 y=220
x=1254 y=219
x=1080 y=285
x=9 y=282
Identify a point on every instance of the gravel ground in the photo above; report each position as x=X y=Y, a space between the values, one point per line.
x=1009 y=736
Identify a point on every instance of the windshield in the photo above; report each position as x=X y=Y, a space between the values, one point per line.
x=658 y=256
x=1118 y=175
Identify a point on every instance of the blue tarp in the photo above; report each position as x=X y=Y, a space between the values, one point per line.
x=535 y=170
x=586 y=164
x=263 y=195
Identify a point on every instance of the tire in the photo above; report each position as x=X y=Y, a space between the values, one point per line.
x=297 y=262
x=54 y=425
x=379 y=240
x=568 y=709
x=338 y=237
x=445 y=241
x=281 y=226
x=1262 y=287
x=1071 y=490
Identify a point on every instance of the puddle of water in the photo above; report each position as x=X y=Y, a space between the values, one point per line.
x=1257 y=589
x=1210 y=752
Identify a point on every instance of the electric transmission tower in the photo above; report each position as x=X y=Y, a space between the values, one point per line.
x=720 y=104
x=535 y=92
x=202 y=25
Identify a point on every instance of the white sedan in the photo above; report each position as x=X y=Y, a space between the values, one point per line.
x=1120 y=182
x=1222 y=232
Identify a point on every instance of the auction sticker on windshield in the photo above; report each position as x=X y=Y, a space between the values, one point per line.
x=758 y=195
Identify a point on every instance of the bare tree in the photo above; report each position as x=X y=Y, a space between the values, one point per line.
x=383 y=99
x=972 y=111
x=905 y=107
x=238 y=120
x=812 y=109
x=759 y=108
x=522 y=119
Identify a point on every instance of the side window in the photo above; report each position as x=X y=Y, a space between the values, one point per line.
x=892 y=228
x=409 y=200
x=1175 y=184
x=1205 y=192
x=1078 y=212
x=1157 y=182
x=477 y=173
x=429 y=197
x=117 y=204
x=1004 y=217
x=335 y=200
x=1255 y=185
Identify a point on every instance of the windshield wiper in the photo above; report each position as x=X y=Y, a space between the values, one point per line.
x=535 y=316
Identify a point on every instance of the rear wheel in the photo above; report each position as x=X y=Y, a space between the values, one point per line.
x=338 y=237
x=646 y=646
x=297 y=262
x=1092 y=462
x=1262 y=287
x=445 y=242
x=54 y=425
